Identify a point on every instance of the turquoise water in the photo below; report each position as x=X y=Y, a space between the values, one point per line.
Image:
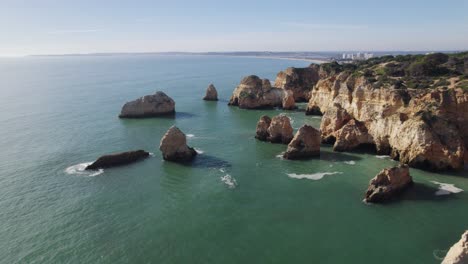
x=236 y=204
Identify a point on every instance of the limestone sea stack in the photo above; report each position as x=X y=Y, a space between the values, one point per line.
x=388 y=184
x=158 y=104
x=280 y=130
x=298 y=80
x=288 y=100
x=305 y=144
x=262 y=128
x=458 y=253
x=211 y=93
x=174 y=147
x=256 y=93
x=118 y=159
x=276 y=130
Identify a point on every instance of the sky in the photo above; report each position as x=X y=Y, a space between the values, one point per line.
x=91 y=26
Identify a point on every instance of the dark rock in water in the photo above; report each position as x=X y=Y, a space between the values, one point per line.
x=262 y=128
x=305 y=144
x=158 y=104
x=388 y=184
x=118 y=159
x=174 y=147
x=313 y=110
x=211 y=94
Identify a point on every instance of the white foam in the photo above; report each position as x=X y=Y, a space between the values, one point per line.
x=382 y=156
x=151 y=154
x=229 y=181
x=316 y=117
x=350 y=162
x=280 y=156
x=80 y=169
x=190 y=135
x=446 y=188
x=199 y=151
x=316 y=176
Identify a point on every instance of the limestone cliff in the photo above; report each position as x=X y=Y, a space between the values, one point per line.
x=423 y=128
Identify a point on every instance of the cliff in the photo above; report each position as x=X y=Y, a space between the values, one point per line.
x=425 y=128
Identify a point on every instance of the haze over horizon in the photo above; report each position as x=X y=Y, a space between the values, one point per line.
x=65 y=27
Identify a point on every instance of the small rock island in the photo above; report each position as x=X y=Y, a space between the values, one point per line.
x=276 y=130
x=174 y=147
x=118 y=159
x=388 y=184
x=305 y=144
x=211 y=93
x=158 y=104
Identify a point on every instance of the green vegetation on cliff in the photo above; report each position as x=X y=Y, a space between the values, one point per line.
x=435 y=70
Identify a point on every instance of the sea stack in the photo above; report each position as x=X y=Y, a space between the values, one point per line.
x=158 y=104
x=276 y=130
x=118 y=159
x=211 y=93
x=280 y=130
x=388 y=184
x=174 y=147
x=262 y=128
x=288 y=100
x=458 y=253
x=256 y=93
x=305 y=144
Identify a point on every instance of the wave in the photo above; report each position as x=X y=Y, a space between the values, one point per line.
x=280 y=156
x=80 y=169
x=190 y=135
x=382 y=156
x=350 y=162
x=446 y=188
x=199 y=151
x=316 y=176
x=229 y=181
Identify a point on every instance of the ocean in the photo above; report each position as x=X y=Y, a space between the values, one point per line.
x=239 y=202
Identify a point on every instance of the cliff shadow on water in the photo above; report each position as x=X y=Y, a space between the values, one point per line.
x=337 y=156
x=422 y=192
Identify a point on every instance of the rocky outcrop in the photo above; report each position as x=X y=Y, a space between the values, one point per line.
x=211 y=93
x=276 y=130
x=174 y=147
x=262 y=128
x=434 y=122
x=288 y=101
x=280 y=130
x=305 y=144
x=388 y=184
x=118 y=159
x=256 y=93
x=458 y=253
x=158 y=104
x=298 y=80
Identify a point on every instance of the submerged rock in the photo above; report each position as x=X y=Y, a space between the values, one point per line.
x=174 y=147
x=256 y=93
x=118 y=159
x=262 y=128
x=158 y=104
x=388 y=184
x=280 y=130
x=211 y=93
x=305 y=144
x=458 y=253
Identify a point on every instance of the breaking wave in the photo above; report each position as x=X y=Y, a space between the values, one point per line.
x=446 y=188
x=315 y=176
x=79 y=169
x=230 y=182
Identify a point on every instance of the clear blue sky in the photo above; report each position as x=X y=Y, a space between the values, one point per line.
x=85 y=26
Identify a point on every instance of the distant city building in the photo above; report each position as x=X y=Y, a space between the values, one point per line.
x=357 y=56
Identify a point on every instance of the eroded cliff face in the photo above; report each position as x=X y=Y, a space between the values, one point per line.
x=427 y=129
x=256 y=93
x=298 y=80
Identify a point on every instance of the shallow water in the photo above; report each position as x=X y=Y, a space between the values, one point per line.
x=236 y=203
